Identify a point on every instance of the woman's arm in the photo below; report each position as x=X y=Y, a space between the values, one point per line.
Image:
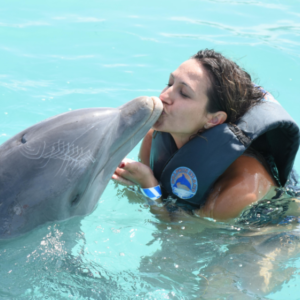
x=140 y=173
x=132 y=172
x=144 y=155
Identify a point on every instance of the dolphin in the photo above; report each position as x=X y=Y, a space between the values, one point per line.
x=59 y=167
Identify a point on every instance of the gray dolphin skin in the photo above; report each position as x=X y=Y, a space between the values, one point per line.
x=59 y=167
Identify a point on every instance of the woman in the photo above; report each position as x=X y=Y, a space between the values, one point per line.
x=203 y=93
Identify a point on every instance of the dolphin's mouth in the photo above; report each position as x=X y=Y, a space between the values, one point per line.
x=153 y=117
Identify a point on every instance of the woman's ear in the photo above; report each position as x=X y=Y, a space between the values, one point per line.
x=216 y=119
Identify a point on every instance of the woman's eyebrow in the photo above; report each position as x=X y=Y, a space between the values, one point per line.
x=182 y=82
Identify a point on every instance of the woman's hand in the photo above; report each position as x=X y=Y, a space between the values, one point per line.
x=131 y=172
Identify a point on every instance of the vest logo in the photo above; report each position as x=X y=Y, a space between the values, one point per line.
x=184 y=183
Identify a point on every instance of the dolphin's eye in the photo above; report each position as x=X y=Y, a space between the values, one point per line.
x=75 y=200
x=23 y=140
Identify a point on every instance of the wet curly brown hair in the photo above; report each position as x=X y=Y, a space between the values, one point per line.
x=231 y=89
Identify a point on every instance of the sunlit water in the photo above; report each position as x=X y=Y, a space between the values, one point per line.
x=62 y=55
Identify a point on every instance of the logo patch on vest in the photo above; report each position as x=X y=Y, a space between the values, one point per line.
x=184 y=183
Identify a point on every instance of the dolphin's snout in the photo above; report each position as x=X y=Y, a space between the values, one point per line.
x=158 y=106
x=143 y=103
x=142 y=109
x=141 y=112
x=153 y=103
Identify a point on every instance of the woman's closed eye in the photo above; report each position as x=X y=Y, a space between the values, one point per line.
x=180 y=92
x=183 y=94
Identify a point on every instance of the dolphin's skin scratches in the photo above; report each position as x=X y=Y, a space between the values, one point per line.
x=72 y=156
x=33 y=153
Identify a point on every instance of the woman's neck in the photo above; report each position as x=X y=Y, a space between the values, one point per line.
x=180 y=140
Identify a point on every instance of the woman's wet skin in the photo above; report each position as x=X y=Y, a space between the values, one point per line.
x=245 y=179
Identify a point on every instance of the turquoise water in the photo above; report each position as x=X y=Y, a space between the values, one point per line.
x=62 y=55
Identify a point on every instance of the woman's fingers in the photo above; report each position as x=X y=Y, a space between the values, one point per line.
x=122 y=172
x=128 y=164
x=125 y=162
x=135 y=172
x=127 y=174
x=122 y=180
x=128 y=160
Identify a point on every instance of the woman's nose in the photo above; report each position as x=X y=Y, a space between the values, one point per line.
x=166 y=95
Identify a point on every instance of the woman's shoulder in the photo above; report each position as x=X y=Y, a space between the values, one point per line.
x=244 y=182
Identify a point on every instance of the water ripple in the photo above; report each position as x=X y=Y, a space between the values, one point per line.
x=271 y=34
x=19 y=52
x=64 y=92
x=23 y=25
x=252 y=3
x=72 y=57
x=23 y=85
x=123 y=65
x=78 y=19
x=261 y=30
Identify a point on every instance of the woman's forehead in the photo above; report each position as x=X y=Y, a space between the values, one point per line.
x=192 y=73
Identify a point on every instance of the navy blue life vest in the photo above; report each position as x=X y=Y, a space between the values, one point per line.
x=190 y=172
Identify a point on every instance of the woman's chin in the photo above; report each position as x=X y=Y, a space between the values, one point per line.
x=155 y=127
x=158 y=124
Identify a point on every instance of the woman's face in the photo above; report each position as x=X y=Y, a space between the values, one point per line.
x=184 y=100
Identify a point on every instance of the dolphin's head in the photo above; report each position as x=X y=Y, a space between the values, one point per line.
x=58 y=168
